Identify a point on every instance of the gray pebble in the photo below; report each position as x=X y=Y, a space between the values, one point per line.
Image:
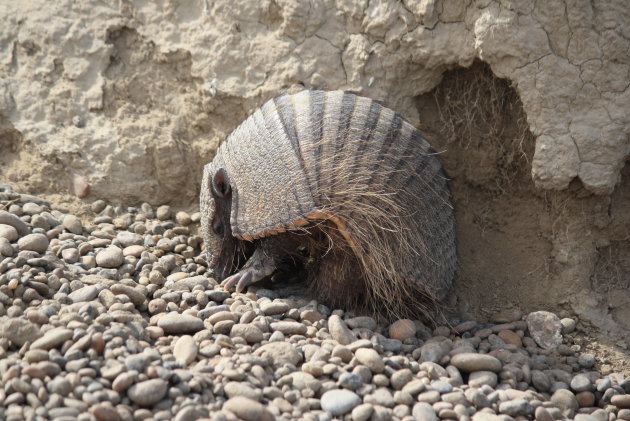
x=424 y=411
x=180 y=323
x=34 y=242
x=339 y=401
x=111 y=257
x=148 y=392
x=545 y=328
x=340 y=331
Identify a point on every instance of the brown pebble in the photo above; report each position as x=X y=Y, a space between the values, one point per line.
x=34 y=372
x=585 y=399
x=621 y=401
x=105 y=412
x=510 y=337
x=98 y=343
x=402 y=329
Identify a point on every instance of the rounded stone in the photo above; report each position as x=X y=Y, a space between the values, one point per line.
x=72 y=224
x=339 y=401
x=424 y=411
x=339 y=331
x=163 y=213
x=110 y=258
x=249 y=332
x=9 y=232
x=288 y=327
x=281 y=353
x=248 y=409
x=469 y=361
x=480 y=378
x=183 y=218
x=371 y=359
x=565 y=400
x=185 y=350
x=180 y=323
x=402 y=329
x=621 y=401
x=581 y=383
x=148 y=392
x=34 y=242
x=516 y=407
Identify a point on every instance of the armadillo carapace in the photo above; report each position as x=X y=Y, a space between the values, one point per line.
x=340 y=187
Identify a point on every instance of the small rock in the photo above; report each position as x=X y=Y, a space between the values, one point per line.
x=185 y=350
x=135 y=296
x=163 y=213
x=72 y=224
x=510 y=337
x=362 y=322
x=7 y=218
x=580 y=383
x=281 y=353
x=424 y=411
x=233 y=389
x=350 y=381
x=565 y=400
x=34 y=242
x=180 y=323
x=371 y=359
x=105 y=412
x=183 y=218
x=545 y=327
x=248 y=409
x=70 y=255
x=339 y=401
x=400 y=378
x=402 y=329
x=9 y=232
x=362 y=412
x=568 y=325
x=585 y=399
x=87 y=293
x=111 y=257
x=480 y=378
x=540 y=381
x=586 y=360
x=148 y=392
x=469 y=361
x=52 y=338
x=18 y=331
x=543 y=415
x=274 y=307
x=621 y=401
x=288 y=327
x=516 y=407
x=339 y=331
x=249 y=332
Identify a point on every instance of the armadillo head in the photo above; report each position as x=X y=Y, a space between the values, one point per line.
x=222 y=248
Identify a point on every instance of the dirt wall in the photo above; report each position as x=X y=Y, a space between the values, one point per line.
x=133 y=97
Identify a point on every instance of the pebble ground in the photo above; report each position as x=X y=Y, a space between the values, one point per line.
x=118 y=319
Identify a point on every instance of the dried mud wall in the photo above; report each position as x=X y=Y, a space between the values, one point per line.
x=133 y=97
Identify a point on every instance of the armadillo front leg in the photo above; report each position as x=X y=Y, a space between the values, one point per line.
x=270 y=254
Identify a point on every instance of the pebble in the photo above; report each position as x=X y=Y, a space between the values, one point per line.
x=402 y=330
x=470 y=362
x=34 y=242
x=339 y=401
x=289 y=327
x=148 y=392
x=185 y=350
x=87 y=293
x=339 y=331
x=371 y=359
x=110 y=257
x=516 y=407
x=175 y=323
x=249 y=332
x=424 y=411
x=622 y=401
x=280 y=353
x=52 y=338
x=248 y=409
x=8 y=232
x=72 y=224
x=19 y=331
x=274 y=307
x=545 y=328
x=105 y=412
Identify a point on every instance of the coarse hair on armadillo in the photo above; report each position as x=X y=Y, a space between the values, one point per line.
x=360 y=184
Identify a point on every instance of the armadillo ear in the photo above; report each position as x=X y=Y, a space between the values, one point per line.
x=220 y=183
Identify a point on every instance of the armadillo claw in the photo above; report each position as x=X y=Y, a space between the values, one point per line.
x=229 y=282
x=244 y=281
x=240 y=280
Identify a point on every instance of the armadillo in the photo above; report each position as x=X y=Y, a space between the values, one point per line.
x=339 y=188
